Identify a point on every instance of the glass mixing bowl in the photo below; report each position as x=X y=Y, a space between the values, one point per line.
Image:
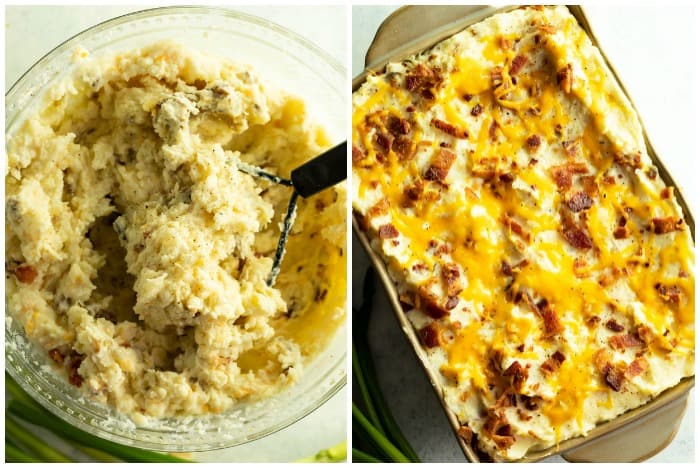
x=281 y=58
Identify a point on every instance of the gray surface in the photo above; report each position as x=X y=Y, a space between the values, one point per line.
x=410 y=397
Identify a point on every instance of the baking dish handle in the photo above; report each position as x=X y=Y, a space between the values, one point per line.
x=409 y=24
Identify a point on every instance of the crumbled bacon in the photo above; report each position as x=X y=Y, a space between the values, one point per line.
x=497 y=428
x=357 y=154
x=614 y=326
x=589 y=185
x=552 y=363
x=563 y=175
x=451 y=302
x=382 y=144
x=379 y=208
x=430 y=304
x=612 y=375
x=666 y=193
x=518 y=63
x=519 y=374
x=516 y=228
x=506 y=269
x=430 y=335
x=506 y=400
x=565 y=78
x=406 y=300
x=56 y=356
x=440 y=165
x=577 y=238
x=531 y=403
x=73 y=376
x=578 y=201
x=492 y=130
x=388 y=231
x=449 y=128
x=552 y=325
x=636 y=367
x=666 y=225
x=414 y=191
x=25 y=274
x=645 y=334
x=631 y=160
x=466 y=434
x=423 y=80
x=450 y=275
x=404 y=148
x=620 y=232
x=669 y=293
x=398 y=126
x=624 y=341
x=533 y=142
x=592 y=321
x=477 y=110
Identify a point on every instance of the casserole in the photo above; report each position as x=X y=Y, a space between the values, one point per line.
x=207 y=27
x=435 y=170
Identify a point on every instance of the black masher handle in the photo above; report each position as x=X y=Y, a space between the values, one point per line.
x=322 y=171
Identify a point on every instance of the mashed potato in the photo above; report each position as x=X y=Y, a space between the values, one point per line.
x=136 y=252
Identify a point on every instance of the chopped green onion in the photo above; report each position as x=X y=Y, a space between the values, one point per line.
x=384 y=444
x=360 y=456
x=15 y=455
x=32 y=443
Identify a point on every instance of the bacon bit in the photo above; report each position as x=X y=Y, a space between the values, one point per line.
x=533 y=142
x=468 y=97
x=357 y=154
x=636 y=367
x=633 y=161
x=506 y=400
x=398 y=126
x=593 y=321
x=449 y=128
x=430 y=335
x=580 y=265
x=497 y=428
x=552 y=325
x=388 y=231
x=414 y=191
x=56 y=355
x=669 y=293
x=624 y=341
x=620 y=232
x=404 y=148
x=477 y=110
x=553 y=363
x=450 y=275
x=504 y=42
x=563 y=175
x=666 y=193
x=422 y=79
x=570 y=147
x=492 y=130
x=651 y=173
x=506 y=269
x=666 y=225
x=519 y=374
x=565 y=78
x=613 y=376
x=609 y=180
x=451 y=302
x=578 y=201
x=440 y=166
x=577 y=238
x=382 y=144
x=645 y=334
x=516 y=228
x=530 y=402
x=379 y=208
x=466 y=434
x=26 y=274
x=431 y=306
x=419 y=266
x=73 y=376
x=518 y=63
x=614 y=326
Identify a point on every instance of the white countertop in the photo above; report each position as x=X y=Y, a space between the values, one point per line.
x=31 y=32
x=652 y=48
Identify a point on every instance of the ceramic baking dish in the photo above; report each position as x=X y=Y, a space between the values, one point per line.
x=633 y=436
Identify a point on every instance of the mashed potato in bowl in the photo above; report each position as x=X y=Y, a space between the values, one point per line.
x=137 y=254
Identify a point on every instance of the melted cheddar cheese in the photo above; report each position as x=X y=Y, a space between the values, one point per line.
x=504 y=178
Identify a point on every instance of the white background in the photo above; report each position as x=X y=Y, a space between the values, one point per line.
x=654 y=51
x=31 y=32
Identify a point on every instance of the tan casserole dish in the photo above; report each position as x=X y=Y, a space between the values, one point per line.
x=632 y=436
